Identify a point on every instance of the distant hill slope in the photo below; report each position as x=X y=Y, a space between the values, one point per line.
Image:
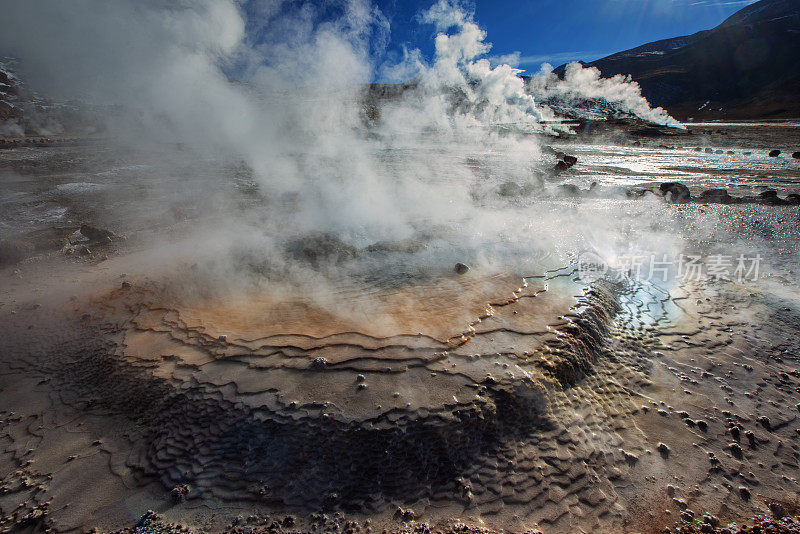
x=748 y=67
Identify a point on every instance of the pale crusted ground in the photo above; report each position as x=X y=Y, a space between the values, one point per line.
x=513 y=402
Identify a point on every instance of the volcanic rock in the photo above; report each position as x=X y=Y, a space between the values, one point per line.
x=460 y=268
x=720 y=196
x=770 y=196
x=774 y=153
x=675 y=192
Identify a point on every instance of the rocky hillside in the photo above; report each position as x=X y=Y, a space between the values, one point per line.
x=23 y=113
x=748 y=67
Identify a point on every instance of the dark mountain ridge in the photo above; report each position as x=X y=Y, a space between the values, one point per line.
x=748 y=67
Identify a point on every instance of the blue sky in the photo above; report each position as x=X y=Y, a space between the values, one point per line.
x=558 y=31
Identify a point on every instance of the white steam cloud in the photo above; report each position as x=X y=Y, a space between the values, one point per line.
x=280 y=87
x=586 y=88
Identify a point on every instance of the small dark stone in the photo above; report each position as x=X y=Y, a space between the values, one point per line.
x=126 y=285
x=460 y=268
x=702 y=425
x=664 y=450
x=744 y=492
x=319 y=363
x=177 y=495
x=570 y=160
x=796 y=155
x=774 y=153
x=736 y=450
x=764 y=420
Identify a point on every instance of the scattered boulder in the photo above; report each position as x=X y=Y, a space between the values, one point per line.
x=764 y=421
x=720 y=196
x=777 y=510
x=179 y=493
x=702 y=425
x=770 y=196
x=796 y=155
x=675 y=192
x=565 y=161
x=774 y=153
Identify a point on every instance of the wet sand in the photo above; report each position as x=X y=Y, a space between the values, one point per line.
x=514 y=400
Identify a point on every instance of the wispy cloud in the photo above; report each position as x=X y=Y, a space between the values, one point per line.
x=516 y=59
x=705 y=3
